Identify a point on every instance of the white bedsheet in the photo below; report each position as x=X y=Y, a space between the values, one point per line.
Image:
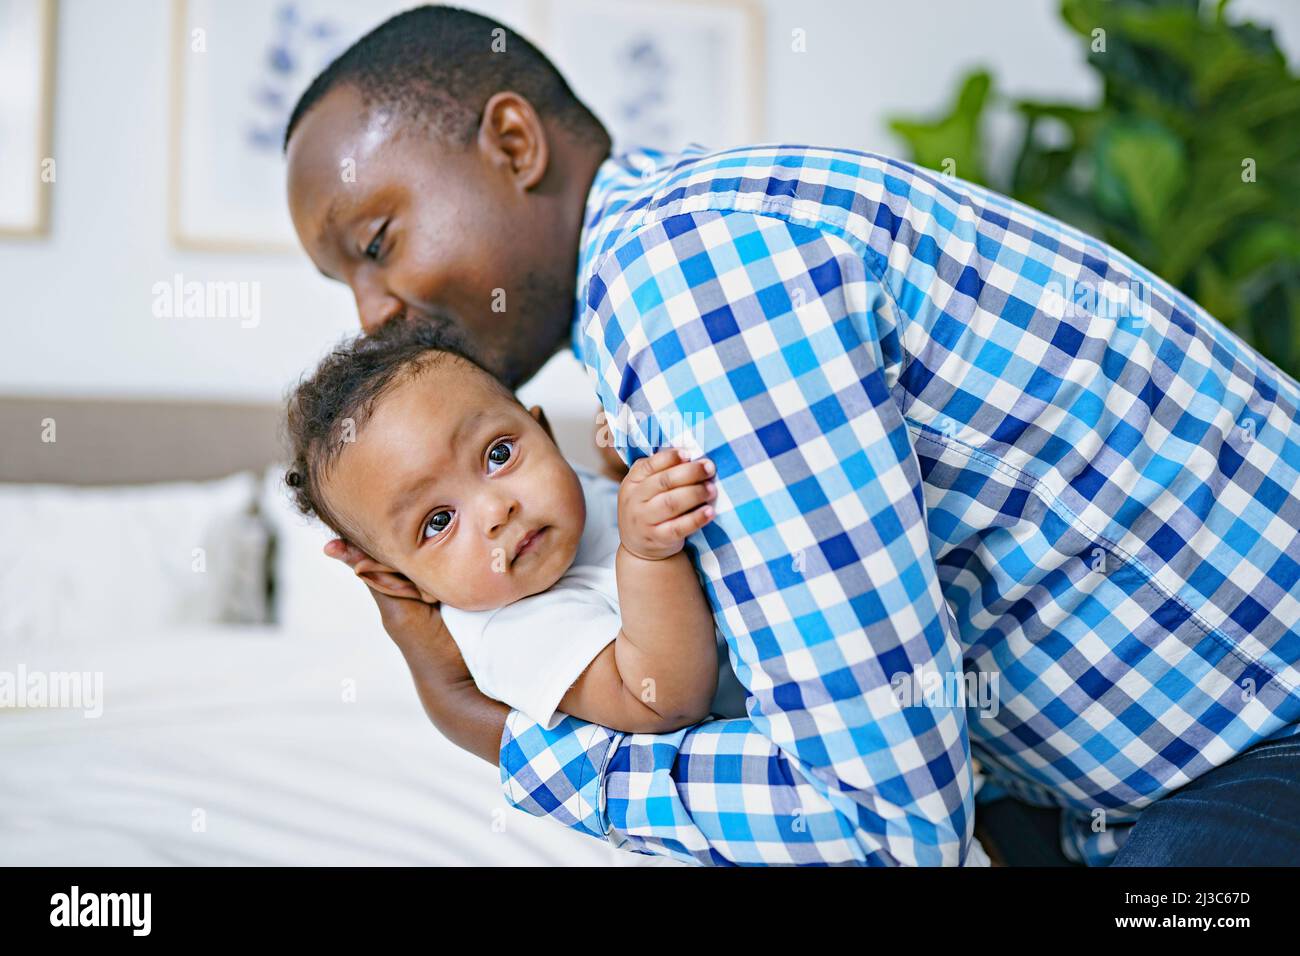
x=247 y=730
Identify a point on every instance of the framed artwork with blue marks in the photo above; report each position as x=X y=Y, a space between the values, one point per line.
x=27 y=168
x=239 y=67
x=663 y=73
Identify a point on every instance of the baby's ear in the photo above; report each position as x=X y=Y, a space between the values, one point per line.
x=386 y=580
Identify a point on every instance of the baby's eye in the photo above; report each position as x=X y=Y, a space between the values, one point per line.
x=437 y=523
x=500 y=454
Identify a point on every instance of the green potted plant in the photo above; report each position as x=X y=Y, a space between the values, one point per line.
x=1189 y=163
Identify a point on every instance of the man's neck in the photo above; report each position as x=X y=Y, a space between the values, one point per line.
x=579 y=165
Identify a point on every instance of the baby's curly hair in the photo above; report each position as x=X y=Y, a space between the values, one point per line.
x=340 y=396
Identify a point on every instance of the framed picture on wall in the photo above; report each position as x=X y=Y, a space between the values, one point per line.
x=27 y=169
x=663 y=73
x=239 y=67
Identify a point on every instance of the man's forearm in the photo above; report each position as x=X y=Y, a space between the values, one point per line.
x=658 y=793
x=462 y=713
x=667 y=635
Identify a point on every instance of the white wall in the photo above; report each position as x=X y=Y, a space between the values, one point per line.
x=77 y=304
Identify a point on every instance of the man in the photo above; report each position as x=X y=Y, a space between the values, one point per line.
x=960 y=447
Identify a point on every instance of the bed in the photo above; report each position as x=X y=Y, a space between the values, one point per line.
x=254 y=748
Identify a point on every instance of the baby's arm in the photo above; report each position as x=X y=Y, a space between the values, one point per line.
x=661 y=672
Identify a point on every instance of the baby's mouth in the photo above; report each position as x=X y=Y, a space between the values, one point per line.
x=528 y=544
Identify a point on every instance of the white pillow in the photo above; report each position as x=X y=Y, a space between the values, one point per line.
x=312 y=594
x=112 y=561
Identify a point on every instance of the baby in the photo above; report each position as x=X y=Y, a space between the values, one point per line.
x=567 y=593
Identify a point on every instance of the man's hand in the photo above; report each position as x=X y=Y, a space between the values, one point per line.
x=662 y=501
x=463 y=713
x=407 y=621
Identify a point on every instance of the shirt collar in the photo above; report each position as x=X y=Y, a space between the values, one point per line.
x=623 y=172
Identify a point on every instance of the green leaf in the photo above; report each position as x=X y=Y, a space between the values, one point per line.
x=952 y=143
x=1261 y=246
x=1141 y=169
x=1218 y=296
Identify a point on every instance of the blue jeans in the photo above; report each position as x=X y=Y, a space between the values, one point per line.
x=1244 y=813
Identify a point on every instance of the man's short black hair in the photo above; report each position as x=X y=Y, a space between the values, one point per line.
x=439 y=66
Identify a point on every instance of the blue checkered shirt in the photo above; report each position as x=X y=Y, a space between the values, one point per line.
x=996 y=504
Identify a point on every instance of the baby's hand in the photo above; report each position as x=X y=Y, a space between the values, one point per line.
x=662 y=500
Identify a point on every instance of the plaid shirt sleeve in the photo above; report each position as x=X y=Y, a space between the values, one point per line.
x=769 y=348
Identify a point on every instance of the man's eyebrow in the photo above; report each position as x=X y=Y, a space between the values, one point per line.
x=406 y=497
x=334 y=211
x=329 y=225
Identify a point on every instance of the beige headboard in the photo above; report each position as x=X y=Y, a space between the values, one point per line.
x=132 y=441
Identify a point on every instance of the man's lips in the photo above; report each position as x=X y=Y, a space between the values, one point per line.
x=527 y=544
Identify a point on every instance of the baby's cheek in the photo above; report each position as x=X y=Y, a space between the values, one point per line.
x=495 y=581
x=498 y=561
x=460 y=584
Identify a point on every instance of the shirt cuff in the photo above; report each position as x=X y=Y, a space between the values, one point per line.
x=558 y=773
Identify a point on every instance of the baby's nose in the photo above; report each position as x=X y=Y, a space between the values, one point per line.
x=498 y=517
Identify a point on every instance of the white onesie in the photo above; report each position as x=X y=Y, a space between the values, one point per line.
x=529 y=653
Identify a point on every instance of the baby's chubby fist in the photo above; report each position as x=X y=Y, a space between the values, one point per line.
x=663 y=499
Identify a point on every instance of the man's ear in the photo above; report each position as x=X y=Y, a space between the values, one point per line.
x=512 y=130
x=540 y=417
x=385 y=580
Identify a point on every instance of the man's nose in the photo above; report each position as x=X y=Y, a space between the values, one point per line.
x=376 y=308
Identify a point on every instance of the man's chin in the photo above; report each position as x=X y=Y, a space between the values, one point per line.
x=517 y=373
x=513 y=365
x=547 y=311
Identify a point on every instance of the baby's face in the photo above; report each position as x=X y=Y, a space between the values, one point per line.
x=459 y=488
